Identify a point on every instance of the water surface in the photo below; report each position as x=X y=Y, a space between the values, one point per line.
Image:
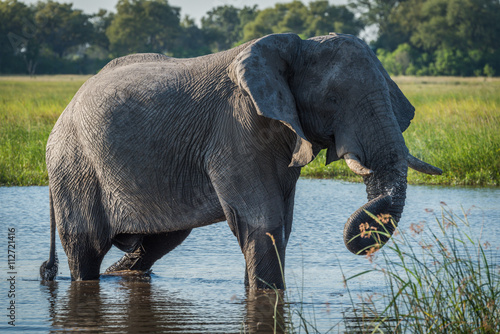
x=198 y=287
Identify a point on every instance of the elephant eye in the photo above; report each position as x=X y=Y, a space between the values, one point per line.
x=333 y=99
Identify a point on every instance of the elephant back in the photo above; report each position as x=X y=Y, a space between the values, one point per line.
x=134 y=59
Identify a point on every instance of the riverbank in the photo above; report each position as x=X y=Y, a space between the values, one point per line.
x=455 y=128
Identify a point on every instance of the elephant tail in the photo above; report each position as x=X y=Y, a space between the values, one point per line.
x=48 y=269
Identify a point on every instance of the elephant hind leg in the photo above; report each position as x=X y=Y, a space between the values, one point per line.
x=87 y=246
x=85 y=263
x=151 y=249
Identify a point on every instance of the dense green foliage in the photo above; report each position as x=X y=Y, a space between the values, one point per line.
x=413 y=37
x=318 y=18
x=435 y=37
x=455 y=128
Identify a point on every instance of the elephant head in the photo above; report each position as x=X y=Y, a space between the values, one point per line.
x=334 y=93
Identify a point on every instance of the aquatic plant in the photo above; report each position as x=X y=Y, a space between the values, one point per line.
x=439 y=279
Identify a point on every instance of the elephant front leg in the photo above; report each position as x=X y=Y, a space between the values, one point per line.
x=263 y=247
x=264 y=252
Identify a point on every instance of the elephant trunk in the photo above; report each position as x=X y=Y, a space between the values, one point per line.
x=386 y=189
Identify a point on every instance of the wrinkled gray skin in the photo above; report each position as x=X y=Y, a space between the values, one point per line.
x=152 y=147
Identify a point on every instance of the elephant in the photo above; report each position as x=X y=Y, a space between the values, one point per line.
x=153 y=146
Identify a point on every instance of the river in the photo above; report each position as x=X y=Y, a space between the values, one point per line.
x=198 y=287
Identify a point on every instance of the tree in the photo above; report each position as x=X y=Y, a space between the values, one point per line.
x=472 y=24
x=380 y=14
x=318 y=18
x=461 y=34
x=292 y=17
x=221 y=26
x=262 y=25
x=193 y=40
x=324 y=18
x=18 y=45
x=444 y=37
x=60 y=27
x=144 y=26
x=101 y=22
x=47 y=35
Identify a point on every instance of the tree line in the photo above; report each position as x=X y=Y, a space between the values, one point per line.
x=412 y=37
x=435 y=37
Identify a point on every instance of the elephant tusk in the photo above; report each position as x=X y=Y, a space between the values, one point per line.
x=356 y=166
x=422 y=166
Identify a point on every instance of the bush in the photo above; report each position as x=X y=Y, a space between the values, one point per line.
x=488 y=70
x=397 y=62
x=406 y=60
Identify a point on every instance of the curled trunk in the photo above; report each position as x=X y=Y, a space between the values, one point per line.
x=386 y=197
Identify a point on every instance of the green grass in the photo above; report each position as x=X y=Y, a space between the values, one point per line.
x=455 y=128
x=29 y=107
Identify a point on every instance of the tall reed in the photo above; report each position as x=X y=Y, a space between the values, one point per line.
x=441 y=279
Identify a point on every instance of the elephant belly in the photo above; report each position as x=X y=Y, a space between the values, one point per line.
x=152 y=212
x=156 y=196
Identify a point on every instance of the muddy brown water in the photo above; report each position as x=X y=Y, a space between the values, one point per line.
x=198 y=288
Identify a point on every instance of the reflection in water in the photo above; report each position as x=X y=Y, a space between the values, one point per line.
x=135 y=305
x=265 y=312
x=362 y=319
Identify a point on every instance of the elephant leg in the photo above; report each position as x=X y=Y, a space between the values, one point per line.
x=265 y=261
x=86 y=248
x=155 y=246
x=264 y=256
x=82 y=225
x=265 y=264
x=258 y=206
x=148 y=250
x=84 y=260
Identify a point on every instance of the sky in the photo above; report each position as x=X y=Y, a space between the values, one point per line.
x=194 y=8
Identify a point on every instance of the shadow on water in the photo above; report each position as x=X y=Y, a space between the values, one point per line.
x=361 y=319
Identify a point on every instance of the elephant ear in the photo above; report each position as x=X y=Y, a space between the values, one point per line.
x=402 y=108
x=262 y=70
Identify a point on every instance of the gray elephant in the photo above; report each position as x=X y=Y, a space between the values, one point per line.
x=152 y=147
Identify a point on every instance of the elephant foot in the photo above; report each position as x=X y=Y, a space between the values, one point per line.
x=129 y=262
